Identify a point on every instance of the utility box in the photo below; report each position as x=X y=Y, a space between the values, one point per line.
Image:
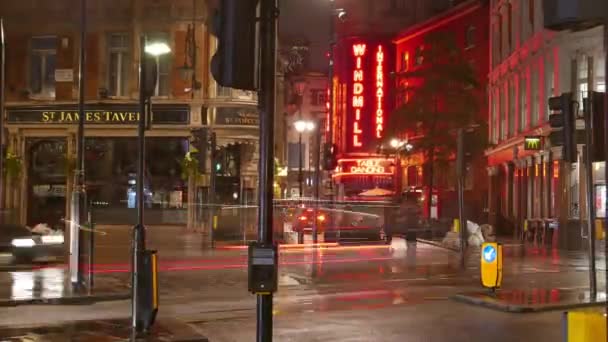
x=263 y=268
x=491 y=265
x=574 y=15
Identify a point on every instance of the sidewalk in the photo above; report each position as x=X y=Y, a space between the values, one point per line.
x=52 y=286
x=104 y=331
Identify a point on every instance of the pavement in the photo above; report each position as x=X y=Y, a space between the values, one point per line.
x=336 y=293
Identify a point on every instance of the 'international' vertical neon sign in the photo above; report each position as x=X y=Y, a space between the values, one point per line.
x=379 y=91
x=359 y=52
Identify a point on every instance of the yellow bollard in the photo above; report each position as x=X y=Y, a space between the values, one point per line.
x=585 y=325
x=456 y=226
x=600 y=231
x=491 y=265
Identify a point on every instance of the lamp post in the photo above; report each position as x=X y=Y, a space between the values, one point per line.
x=146 y=90
x=302 y=126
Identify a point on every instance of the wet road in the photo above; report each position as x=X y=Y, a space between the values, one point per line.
x=342 y=293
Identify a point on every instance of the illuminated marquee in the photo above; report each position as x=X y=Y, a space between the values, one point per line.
x=358 y=52
x=379 y=92
x=369 y=166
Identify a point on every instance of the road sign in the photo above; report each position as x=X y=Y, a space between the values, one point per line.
x=491 y=265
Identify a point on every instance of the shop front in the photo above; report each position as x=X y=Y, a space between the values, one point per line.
x=42 y=139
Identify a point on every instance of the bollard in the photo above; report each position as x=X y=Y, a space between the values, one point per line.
x=147 y=304
x=585 y=325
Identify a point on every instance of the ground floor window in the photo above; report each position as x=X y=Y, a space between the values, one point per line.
x=111 y=177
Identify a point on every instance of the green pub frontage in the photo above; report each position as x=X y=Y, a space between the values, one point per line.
x=41 y=160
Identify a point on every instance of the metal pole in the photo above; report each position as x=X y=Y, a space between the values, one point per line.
x=317 y=180
x=139 y=230
x=330 y=83
x=606 y=153
x=300 y=165
x=268 y=36
x=590 y=195
x=460 y=176
x=212 y=187
x=2 y=99
x=78 y=195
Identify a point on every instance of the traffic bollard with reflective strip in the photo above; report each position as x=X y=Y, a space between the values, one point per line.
x=491 y=265
x=148 y=289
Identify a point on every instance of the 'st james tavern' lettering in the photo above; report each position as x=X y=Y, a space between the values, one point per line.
x=95 y=116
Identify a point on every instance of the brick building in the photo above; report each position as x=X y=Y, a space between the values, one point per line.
x=469 y=23
x=42 y=87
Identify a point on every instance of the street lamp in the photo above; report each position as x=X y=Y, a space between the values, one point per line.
x=146 y=90
x=302 y=126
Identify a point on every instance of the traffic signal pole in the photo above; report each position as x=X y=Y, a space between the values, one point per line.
x=590 y=194
x=268 y=37
x=460 y=170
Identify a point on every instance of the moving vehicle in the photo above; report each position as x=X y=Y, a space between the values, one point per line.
x=21 y=245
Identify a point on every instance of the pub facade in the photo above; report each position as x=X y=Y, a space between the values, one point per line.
x=41 y=115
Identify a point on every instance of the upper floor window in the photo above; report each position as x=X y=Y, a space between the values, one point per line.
x=531 y=14
x=318 y=97
x=164 y=65
x=419 y=55
x=405 y=61
x=118 y=64
x=43 y=60
x=470 y=37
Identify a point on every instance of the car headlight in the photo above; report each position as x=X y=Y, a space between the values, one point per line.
x=52 y=239
x=23 y=242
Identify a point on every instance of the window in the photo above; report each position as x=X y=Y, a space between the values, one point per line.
x=164 y=65
x=549 y=82
x=535 y=98
x=405 y=61
x=293 y=155
x=118 y=64
x=523 y=102
x=503 y=114
x=43 y=58
x=419 y=55
x=470 y=37
x=531 y=14
x=511 y=108
x=318 y=97
x=494 y=123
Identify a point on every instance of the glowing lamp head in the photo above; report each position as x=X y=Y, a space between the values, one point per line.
x=304 y=126
x=394 y=143
x=157 y=49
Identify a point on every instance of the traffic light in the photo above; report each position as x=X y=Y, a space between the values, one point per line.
x=563 y=117
x=200 y=143
x=330 y=161
x=598 y=130
x=235 y=64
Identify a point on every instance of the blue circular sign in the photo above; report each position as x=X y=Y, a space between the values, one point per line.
x=489 y=253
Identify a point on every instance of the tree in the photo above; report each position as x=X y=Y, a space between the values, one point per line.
x=436 y=96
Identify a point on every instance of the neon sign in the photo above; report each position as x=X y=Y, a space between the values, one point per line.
x=359 y=52
x=368 y=166
x=379 y=92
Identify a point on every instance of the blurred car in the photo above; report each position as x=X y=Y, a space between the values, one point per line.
x=340 y=225
x=22 y=245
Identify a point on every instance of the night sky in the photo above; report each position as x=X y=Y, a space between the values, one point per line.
x=308 y=19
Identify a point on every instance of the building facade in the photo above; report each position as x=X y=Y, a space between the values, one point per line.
x=307 y=101
x=531 y=189
x=468 y=22
x=362 y=88
x=41 y=115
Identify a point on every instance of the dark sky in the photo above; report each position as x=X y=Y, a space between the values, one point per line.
x=309 y=19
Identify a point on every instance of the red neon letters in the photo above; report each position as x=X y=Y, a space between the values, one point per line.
x=359 y=52
x=379 y=92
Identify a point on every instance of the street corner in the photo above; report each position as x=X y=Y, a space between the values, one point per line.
x=531 y=300
x=104 y=330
